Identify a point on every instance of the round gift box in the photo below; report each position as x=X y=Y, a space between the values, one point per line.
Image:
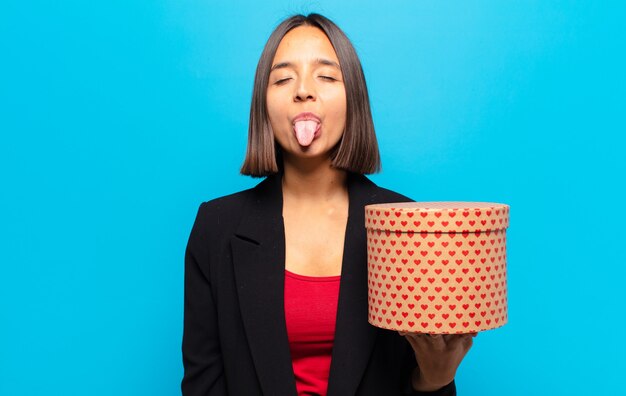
x=437 y=267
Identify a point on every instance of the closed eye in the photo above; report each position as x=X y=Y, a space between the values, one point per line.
x=282 y=81
x=328 y=78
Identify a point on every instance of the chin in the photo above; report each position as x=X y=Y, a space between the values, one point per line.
x=310 y=152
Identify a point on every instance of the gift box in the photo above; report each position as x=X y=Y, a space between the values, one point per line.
x=437 y=267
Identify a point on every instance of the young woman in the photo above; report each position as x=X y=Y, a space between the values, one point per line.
x=276 y=276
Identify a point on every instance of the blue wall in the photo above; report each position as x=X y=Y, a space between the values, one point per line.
x=118 y=118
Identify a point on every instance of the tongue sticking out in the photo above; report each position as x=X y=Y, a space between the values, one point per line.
x=305 y=131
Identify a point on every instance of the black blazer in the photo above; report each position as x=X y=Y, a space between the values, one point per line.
x=235 y=338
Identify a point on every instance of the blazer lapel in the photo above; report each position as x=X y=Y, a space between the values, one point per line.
x=354 y=336
x=258 y=249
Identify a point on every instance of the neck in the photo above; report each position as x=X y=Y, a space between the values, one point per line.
x=313 y=180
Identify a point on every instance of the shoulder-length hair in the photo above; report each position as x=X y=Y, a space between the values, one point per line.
x=357 y=151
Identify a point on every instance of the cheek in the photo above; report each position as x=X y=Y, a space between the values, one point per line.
x=273 y=111
x=338 y=112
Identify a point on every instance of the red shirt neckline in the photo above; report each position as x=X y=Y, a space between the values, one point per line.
x=309 y=278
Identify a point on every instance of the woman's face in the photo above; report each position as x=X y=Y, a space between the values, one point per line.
x=306 y=78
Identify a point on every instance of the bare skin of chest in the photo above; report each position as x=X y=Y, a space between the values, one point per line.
x=314 y=239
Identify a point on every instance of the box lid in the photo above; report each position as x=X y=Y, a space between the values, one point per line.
x=445 y=217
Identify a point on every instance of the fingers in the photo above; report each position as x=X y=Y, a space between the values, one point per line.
x=439 y=341
x=420 y=341
x=416 y=340
x=456 y=339
x=428 y=346
x=413 y=341
x=462 y=341
x=436 y=340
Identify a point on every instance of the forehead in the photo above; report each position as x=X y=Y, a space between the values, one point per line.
x=304 y=43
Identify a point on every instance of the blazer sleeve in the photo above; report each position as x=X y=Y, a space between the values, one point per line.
x=202 y=356
x=448 y=390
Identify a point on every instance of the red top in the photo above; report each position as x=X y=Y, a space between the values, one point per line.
x=310 y=313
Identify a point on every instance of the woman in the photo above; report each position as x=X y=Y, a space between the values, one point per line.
x=276 y=276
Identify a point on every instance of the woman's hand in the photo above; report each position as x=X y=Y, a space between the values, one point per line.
x=438 y=357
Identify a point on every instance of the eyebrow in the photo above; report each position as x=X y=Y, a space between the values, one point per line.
x=318 y=61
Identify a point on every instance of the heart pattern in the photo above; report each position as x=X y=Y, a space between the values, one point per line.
x=437 y=267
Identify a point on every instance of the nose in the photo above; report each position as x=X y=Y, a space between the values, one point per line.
x=304 y=91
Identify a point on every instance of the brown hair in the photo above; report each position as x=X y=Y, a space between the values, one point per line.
x=357 y=151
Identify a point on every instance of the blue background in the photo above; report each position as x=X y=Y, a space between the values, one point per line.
x=118 y=118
